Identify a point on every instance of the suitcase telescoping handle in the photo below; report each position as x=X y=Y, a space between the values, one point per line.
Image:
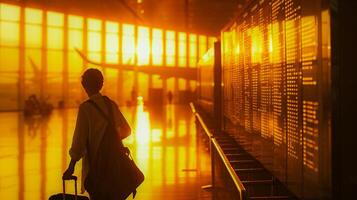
x=75 y=186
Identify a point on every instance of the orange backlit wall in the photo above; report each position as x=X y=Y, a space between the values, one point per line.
x=37 y=55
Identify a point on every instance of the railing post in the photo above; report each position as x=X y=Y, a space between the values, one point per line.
x=213 y=174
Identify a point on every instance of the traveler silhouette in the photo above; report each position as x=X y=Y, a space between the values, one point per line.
x=108 y=172
x=170 y=96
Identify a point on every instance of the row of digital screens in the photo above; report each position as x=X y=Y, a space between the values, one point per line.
x=271 y=86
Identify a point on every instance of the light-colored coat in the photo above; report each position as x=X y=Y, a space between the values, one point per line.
x=89 y=130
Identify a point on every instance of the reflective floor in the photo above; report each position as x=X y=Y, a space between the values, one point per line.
x=34 y=153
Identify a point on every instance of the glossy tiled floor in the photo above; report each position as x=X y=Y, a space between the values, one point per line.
x=34 y=153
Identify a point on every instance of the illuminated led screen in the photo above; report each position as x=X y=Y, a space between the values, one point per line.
x=275 y=59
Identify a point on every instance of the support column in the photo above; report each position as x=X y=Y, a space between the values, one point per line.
x=120 y=81
x=150 y=64
x=136 y=81
x=150 y=57
x=85 y=49
x=65 y=86
x=176 y=83
x=187 y=57
x=21 y=79
x=164 y=57
x=188 y=52
x=103 y=52
x=43 y=70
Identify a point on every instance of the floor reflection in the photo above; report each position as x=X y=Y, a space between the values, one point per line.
x=34 y=153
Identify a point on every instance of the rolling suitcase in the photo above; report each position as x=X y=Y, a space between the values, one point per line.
x=64 y=196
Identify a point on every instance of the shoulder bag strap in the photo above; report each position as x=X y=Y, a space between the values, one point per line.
x=102 y=113
x=108 y=102
x=111 y=118
x=104 y=116
x=122 y=119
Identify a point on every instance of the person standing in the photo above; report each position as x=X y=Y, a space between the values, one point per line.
x=95 y=117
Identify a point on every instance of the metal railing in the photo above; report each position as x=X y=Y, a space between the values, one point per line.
x=238 y=185
x=231 y=187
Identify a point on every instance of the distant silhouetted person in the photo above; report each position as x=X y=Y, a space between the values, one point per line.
x=32 y=106
x=169 y=97
x=61 y=104
x=134 y=96
x=97 y=118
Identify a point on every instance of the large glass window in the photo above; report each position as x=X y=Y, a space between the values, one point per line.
x=211 y=41
x=128 y=41
x=33 y=51
x=182 y=56
x=50 y=41
x=202 y=45
x=143 y=47
x=94 y=39
x=111 y=56
x=53 y=90
x=112 y=42
x=157 y=54
x=75 y=62
x=143 y=52
x=182 y=49
x=193 y=50
x=9 y=55
x=157 y=47
x=170 y=48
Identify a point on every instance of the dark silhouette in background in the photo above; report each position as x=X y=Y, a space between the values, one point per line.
x=134 y=96
x=170 y=97
x=35 y=106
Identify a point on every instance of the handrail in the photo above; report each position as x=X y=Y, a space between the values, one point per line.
x=206 y=130
x=192 y=106
x=199 y=118
x=237 y=182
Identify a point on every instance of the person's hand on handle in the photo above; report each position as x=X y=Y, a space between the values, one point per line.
x=67 y=175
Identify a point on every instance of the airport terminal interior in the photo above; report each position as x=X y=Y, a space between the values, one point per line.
x=226 y=99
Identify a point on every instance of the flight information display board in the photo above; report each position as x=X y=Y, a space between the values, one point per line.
x=275 y=64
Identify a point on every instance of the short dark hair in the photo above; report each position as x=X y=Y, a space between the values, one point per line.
x=92 y=80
